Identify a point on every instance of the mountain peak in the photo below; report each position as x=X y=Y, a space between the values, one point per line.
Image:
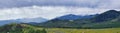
x=112 y=11
x=69 y=17
x=108 y=15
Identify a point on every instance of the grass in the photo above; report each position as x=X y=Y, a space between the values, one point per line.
x=68 y=30
x=62 y=30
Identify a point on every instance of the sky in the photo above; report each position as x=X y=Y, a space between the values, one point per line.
x=49 y=9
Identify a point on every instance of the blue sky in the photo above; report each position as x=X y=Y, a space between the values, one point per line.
x=49 y=9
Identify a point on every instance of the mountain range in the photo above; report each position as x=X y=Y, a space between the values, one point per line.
x=97 y=23
x=74 y=17
x=37 y=20
x=108 y=19
x=24 y=20
x=107 y=16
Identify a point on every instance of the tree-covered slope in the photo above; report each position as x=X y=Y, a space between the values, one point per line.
x=108 y=19
x=67 y=21
x=20 y=28
x=106 y=16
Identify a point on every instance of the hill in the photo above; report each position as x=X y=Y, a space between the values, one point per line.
x=23 y=20
x=107 y=16
x=69 y=20
x=37 y=20
x=20 y=28
x=108 y=19
x=73 y=17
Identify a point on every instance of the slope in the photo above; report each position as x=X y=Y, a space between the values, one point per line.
x=69 y=20
x=108 y=19
x=106 y=16
x=20 y=28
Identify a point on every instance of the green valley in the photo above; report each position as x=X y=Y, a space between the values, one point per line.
x=25 y=28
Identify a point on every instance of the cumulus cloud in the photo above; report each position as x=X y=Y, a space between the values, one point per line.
x=14 y=9
x=68 y=3
x=47 y=12
x=34 y=11
x=111 y=4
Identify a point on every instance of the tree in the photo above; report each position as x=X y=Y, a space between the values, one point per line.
x=43 y=31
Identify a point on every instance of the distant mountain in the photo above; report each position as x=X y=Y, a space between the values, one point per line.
x=69 y=20
x=108 y=19
x=24 y=20
x=37 y=20
x=69 y=17
x=106 y=16
x=73 y=17
x=3 y=22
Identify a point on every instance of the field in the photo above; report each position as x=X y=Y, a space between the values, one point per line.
x=68 y=30
x=35 y=29
x=62 y=30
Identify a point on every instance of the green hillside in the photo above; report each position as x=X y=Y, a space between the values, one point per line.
x=108 y=19
x=24 y=28
x=20 y=28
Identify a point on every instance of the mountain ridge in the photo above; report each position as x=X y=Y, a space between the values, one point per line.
x=105 y=21
x=24 y=20
x=106 y=16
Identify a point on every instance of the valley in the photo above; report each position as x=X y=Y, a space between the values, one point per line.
x=33 y=29
x=107 y=22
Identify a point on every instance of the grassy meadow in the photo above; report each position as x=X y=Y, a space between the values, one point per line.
x=70 y=30
x=34 y=29
x=62 y=30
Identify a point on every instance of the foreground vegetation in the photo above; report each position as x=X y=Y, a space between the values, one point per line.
x=20 y=28
x=24 y=28
x=62 y=30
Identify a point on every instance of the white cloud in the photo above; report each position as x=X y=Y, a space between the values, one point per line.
x=74 y=3
x=47 y=12
x=53 y=8
x=28 y=12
